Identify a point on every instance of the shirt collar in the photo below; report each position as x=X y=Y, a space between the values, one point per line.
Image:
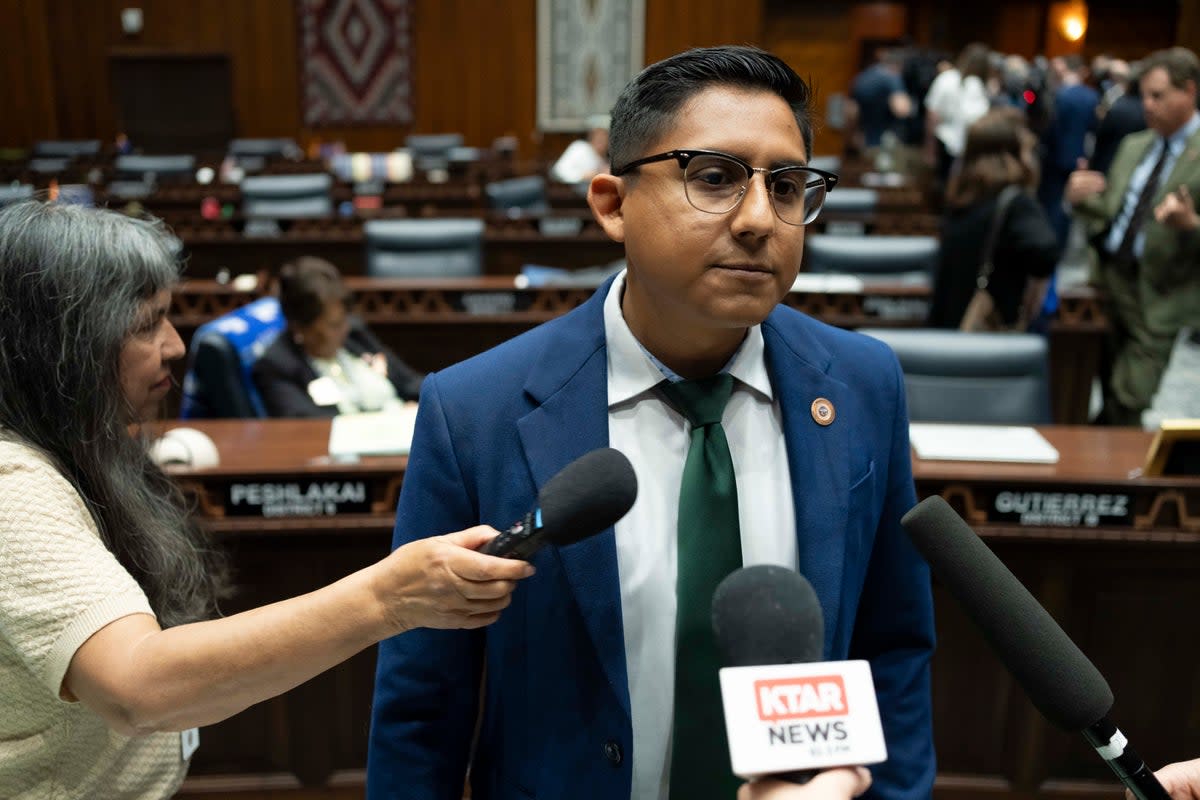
x=1178 y=140
x=633 y=370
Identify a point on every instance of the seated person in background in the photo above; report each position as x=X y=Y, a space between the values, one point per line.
x=998 y=153
x=584 y=159
x=326 y=362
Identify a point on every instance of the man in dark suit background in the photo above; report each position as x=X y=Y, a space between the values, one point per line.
x=595 y=677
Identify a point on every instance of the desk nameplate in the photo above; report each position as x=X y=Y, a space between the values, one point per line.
x=296 y=498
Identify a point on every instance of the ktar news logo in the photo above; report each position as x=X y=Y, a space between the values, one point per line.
x=801 y=698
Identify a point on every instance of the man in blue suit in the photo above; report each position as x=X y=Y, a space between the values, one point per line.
x=572 y=694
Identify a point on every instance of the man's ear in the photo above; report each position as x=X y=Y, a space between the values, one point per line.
x=606 y=195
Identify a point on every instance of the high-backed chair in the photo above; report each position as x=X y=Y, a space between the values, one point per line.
x=218 y=382
x=288 y=196
x=851 y=199
x=48 y=165
x=827 y=163
x=134 y=167
x=432 y=150
x=66 y=148
x=527 y=193
x=871 y=255
x=262 y=148
x=252 y=154
x=424 y=248
x=15 y=193
x=986 y=378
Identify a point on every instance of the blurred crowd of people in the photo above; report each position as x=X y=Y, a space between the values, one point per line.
x=1104 y=154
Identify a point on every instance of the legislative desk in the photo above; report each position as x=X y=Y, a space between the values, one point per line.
x=432 y=324
x=1113 y=556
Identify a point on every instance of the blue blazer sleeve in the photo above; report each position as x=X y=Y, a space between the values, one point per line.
x=894 y=628
x=427 y=681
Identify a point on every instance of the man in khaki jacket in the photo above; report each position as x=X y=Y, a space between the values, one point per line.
x=1141 y=219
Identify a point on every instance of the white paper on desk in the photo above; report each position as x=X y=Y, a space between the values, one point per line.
x=376 y=433
x=1017 y=443
x=827 y=282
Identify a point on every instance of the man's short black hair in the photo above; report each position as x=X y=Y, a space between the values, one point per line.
x=648 y=104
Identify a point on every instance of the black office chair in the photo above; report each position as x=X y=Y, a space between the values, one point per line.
x=66 y=148
x=527 y=193
x=424 y=248
x=983 y=378
x=895 y=256
x=288 y=196
x=218 y=382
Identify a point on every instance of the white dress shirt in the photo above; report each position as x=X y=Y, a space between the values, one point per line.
x=655 y=438
x=958 y=102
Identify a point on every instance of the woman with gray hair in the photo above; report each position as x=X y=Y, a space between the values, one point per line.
x=107 y=649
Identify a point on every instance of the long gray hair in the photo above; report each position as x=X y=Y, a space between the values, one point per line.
x=72 y=281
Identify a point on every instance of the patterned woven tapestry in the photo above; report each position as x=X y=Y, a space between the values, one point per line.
x=587 y=51
x=354 y=61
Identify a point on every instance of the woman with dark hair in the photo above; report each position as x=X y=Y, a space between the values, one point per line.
x=327 y=362
x=956 y=98
x=998 y=154
x=104 y=580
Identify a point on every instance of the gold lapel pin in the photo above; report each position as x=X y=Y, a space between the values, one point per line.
x=823 y=412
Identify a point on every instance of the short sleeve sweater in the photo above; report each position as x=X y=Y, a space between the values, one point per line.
x=59 y=584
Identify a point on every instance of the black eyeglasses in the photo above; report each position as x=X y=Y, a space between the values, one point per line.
x=716 y=183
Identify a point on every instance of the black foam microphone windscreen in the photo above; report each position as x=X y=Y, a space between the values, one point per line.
x=767 y=614
x=585 y=497
x=1060 y=680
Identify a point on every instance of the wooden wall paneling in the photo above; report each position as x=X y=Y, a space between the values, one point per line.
x=1020 y=28
x=673 y=26
x=812 y=37
x=79 y=35
x=1130 y=30
x=27 y=107
x=1187 y=28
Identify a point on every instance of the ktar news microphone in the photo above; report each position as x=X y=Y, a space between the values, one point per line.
x=788 y=714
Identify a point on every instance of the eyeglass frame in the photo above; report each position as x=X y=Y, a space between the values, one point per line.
x=684 y=157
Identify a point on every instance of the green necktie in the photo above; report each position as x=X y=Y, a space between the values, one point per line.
x=710 y=547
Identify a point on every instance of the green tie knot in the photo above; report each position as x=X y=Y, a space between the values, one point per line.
x=701 y=401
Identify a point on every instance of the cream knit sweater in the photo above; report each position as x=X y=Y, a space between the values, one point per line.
x=58 y=586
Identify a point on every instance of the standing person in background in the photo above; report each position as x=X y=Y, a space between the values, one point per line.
x=1064 y=140
x=1122 y=117
x=999 y=153
x=956 y=98
x=881 y=101
x=584 y=158
x=326 y=362
x=758 y=435
x=107 y=651
x=1141 y=220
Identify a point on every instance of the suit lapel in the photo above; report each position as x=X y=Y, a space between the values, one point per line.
x=817 y=462
x=569 y=384
x=1184 y=168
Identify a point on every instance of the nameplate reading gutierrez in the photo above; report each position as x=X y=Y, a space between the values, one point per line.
x=1063 y=509
x=296 y=498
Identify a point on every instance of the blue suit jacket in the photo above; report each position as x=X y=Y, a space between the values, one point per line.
x=555 y=718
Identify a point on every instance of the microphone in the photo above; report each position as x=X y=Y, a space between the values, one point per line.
x=585 y=497
x=1060 y=680
x=787 y=713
